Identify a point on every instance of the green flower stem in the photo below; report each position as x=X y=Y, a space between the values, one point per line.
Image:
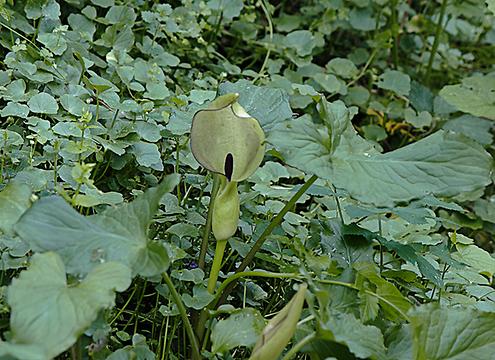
x=209 y=217
x=274 y=223
x=436 y=42
x=294 y=350
x=217 y=264
x=183 y=313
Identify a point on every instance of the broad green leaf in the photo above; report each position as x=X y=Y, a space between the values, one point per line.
x=330 y=83
x=364 y=341
x=441 y=333
x=194 y=275
x=148 y=155
x=491 y=5
x=302 y=41
x=269 y=106
x=395 y=81
x=50 y=313
x=477 y=258
x=73 y=104
x=374 y=132
x=391 y=299
x=121 y=15
x=406 y=252
x=10 y=351
x=485 y=209
x=14 y=201
x=442 y=164
x=117 y=234
x=10 y=138
x=344 y=249
x=475 y=95
x=43 y=103
x=183 y=230
x=474 y=127
x=419 y=120
x=15 y=109
x=342 y=67
x=201 y=297
x=230 y=9
x=362 y=19
x=139 y=350
x=400 y=346
x=56 y=43
x=95 y=197
x=241 y=328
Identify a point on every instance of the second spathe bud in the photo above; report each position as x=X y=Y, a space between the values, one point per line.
x=227 y=141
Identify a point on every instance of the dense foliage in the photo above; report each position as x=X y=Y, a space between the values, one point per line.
x=368 y=227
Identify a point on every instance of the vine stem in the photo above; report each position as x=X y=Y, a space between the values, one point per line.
x=216 y=266
x=183 y=313
x=436 y=42
x=209 y=218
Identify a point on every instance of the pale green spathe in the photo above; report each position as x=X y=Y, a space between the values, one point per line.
x=226 y=128
x=226 y=210
x=226 y=140
x=277 y=334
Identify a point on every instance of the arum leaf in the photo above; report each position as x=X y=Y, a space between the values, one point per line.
x=51 y=314
x=241 y=328
x=14 y=201
x=475 y=95
x=442 y=164
x=43 y=103
x=117 y=234
x=452 y=333
x=364 y=341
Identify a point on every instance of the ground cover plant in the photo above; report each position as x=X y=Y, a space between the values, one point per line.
x=247 y=179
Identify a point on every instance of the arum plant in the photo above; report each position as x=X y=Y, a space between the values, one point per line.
x=227 y=141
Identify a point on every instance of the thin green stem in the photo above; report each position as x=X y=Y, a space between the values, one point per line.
x=337 y=201
x=436 y=42
x=295 y=349
x=270 y=31
x=209 y=218
x=123 y=307
x=185 y=319
x=273 y=224
x=395 y=32
x=216 y=266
